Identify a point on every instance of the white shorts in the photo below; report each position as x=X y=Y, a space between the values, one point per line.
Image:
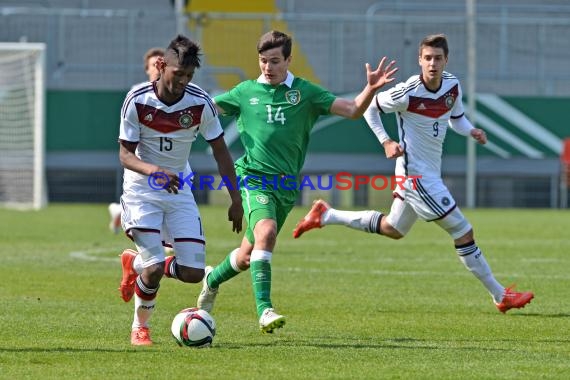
x=175 y=216
x=429 y=200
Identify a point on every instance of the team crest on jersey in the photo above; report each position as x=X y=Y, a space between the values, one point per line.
x=185 y=120
x=293 y=96
x=449 y=101
x=262 y=199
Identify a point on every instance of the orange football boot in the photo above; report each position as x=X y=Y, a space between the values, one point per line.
x=141 y=337
x=312 y=219
x=514 y=300
x=127 y=287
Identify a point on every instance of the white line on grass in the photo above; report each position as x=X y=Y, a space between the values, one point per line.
x=460 y=272
x=93 y=254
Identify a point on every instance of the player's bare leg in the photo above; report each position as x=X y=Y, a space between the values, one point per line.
x=322 y=214
x=474 y=260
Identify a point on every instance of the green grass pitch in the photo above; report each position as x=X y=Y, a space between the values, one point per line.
x=358 y=305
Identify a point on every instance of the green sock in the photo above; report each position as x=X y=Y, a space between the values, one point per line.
x=222 y=273
x=261 y=281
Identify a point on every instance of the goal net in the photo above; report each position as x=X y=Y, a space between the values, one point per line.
x=22 y=123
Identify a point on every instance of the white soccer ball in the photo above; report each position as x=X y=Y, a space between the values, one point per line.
x=193 y=327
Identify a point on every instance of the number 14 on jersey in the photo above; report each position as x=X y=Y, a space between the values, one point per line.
x=279 y=116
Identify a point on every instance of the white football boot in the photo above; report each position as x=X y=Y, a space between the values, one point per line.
x=208 y=295
x=270 y=321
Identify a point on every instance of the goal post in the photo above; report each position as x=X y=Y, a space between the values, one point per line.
x=22 y=125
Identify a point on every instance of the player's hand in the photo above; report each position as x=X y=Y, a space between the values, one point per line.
x=165 y=179
x=381 y=75
x=479 y=135
x=392 y=149
x=235 y=215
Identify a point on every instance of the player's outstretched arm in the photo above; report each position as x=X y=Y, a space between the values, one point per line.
x=376 y=79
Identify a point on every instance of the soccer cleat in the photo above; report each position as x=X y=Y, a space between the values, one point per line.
x=115 y=210
x=208 y=295
x=270 y=321
x=127 y=287
x=141 y=337
x=514 y=300
x=312 y=219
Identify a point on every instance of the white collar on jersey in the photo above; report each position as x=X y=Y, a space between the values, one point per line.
x=287 y=82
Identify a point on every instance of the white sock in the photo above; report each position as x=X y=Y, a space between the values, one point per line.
x=143 y=308
x=259 y=254
x=473 y=259
x=359 y=220
x=233 y=260
x=143 y=311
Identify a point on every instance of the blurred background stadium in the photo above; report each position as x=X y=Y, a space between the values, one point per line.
x=94 y=49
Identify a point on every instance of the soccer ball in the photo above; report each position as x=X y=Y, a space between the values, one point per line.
x=193 y=327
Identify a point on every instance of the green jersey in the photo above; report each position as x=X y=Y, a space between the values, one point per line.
x=274 y=123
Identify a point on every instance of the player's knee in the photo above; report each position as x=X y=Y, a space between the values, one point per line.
x=389 y=231
x=465 y=238
x=265 y=233
x=393 y=234
x=191 y=275
x=457 y=227
x=398 y=222
x=190 y=261
x=152 y=274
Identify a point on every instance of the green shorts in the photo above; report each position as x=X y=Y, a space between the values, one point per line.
x=263 y=197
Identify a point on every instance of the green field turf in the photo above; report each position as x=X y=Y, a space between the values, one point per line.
x=358 y=305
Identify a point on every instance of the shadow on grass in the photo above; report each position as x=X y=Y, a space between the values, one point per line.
x=542 y=315
x=394 y=344
x=325 y=343
x=74 y=349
